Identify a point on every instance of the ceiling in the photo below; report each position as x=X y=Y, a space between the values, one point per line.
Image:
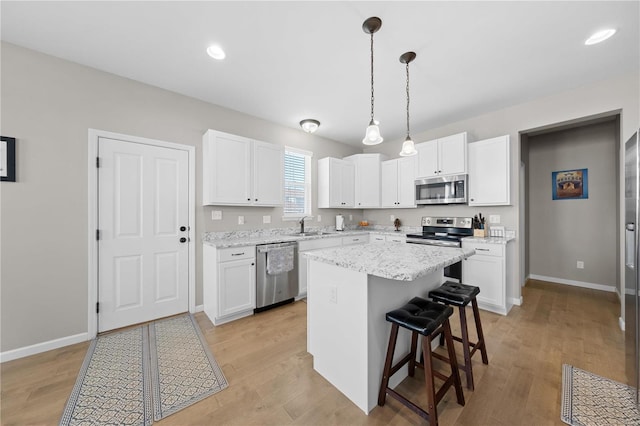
x=292 y=60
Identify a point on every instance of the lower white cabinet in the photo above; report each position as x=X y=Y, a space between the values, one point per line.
x=355 y=239
x=396 y=238
x=229 y=282
x=487 y=270
x=309 y=245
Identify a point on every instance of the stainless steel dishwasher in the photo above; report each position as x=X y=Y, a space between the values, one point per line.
x=276 y=276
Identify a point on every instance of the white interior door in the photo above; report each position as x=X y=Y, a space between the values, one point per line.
x=143 y=214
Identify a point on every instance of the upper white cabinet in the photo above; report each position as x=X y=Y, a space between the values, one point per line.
x=444 y=156
x=336 y=183
x=489 y=172
x=398 y=186
x=367 y=179
x=239 y=171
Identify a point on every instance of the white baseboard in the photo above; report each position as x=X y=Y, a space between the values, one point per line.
x=199 y=308
x=575 y=283
x=516 y=301
x=43 y=347
x=621 y=323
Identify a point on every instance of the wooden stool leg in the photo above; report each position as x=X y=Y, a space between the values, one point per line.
x=454 y=363
x=465 y=347
x=481 y=343
x=382 y=396
x=432 y=408
x=414 y=349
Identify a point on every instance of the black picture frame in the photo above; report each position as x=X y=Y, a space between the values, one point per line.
x=8 y=160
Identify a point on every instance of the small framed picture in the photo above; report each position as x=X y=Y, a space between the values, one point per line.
x=7 y=159
x=570 y=184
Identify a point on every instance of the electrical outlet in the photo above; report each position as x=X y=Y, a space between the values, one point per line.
x=494 y=218
x=266 y=219
x=240 y=220
x=333 y=294
x=350 y=217
x=392 y=218
x=580 y=264
x=216 y=215
x=319 y=218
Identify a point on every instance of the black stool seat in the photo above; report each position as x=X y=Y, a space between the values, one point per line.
x=453 y=293
x=420 y=315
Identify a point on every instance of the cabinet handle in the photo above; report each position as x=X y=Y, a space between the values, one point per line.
x=256 y=199
x=472 y=199
x=253 y=264
x=248 y=199
x=237 y=254
x=479 y=249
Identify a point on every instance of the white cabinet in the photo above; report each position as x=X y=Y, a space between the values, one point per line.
x=239 y=171
x=489 y=172
x=398 y=183
x=336 y=183
x=382 y=238
x=377 y=238
x=355 y=239
x=304 y=246
x=367 y=179
x=444 y=156
x=229 y=283
x=487 y=270
x=396 y=238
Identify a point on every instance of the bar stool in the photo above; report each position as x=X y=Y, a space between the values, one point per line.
x=457 y=294
x=429 y=319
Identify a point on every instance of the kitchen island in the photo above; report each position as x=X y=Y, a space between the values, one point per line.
x=350 y=291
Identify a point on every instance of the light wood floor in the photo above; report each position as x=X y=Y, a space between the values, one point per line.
x=272 y=381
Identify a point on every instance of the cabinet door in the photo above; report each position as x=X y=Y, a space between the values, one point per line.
x=237 y=286
x=427 y=159
x=268 y=174
x=226 y=169
x=453 y=154
x=377 y=238
x=389 y=185
x=489 y=172
x=367 y=181
x=486 y=272
x=335 y=183
x=406 y=182
x=348 y=186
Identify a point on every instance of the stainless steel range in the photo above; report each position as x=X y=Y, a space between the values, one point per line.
x=447 y=232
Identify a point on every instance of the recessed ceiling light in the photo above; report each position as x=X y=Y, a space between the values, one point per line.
x=216 y=52
x=600 y=36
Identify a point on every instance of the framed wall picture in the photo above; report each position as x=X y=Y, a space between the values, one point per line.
x=570 y=184
x=7 y=159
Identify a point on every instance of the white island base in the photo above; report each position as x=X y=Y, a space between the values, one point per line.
x=347 y=332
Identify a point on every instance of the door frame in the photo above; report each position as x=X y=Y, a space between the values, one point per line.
x=92 y=190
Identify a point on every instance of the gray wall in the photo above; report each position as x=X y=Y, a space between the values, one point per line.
x=49 y=104
x=565 y=231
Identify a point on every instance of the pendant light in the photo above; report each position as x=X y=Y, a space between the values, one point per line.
x=372 y=135
x=408 y=147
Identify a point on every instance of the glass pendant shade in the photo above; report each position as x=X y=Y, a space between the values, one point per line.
x=408 y=148
x=372 y=135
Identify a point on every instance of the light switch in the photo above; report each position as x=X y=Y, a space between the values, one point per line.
x=350 y=217
x=494 y=218
x=216 y=215
x=333 y=294
x=240 y=220
x=392 y=218
x=580 y=264
x=319 y=218
x=266 y=219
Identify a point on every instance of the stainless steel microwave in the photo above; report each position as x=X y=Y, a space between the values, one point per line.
x=442 y=190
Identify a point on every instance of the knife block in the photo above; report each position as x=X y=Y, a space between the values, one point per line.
x=482 y=233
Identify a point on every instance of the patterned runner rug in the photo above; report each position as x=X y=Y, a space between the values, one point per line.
x=588 y=399
x=146 y=373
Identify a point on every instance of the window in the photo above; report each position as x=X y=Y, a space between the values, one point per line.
x=297 y=183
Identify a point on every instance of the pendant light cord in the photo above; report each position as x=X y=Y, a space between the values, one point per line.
x=372 y=76
x=407 y=99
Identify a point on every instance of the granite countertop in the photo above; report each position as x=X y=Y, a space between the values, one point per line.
x=402 y=262
x=267 y=236
x=489 y=240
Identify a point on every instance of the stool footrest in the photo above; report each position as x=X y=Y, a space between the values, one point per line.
x=413 y=407
x=399 y=365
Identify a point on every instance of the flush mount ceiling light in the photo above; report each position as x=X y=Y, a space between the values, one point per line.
x=309 y=125
x=600 y=36
x=408 y=148
x=372 y=135
x=216 y=52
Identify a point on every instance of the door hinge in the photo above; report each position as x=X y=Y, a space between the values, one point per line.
x=98 y=162
x=97 y=307
x=97 y=235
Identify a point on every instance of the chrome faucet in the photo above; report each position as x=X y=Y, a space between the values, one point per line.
x=302 y=224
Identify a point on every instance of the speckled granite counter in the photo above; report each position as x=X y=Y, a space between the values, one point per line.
x=267 y=236
x=488 y=240
x=404 y=262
